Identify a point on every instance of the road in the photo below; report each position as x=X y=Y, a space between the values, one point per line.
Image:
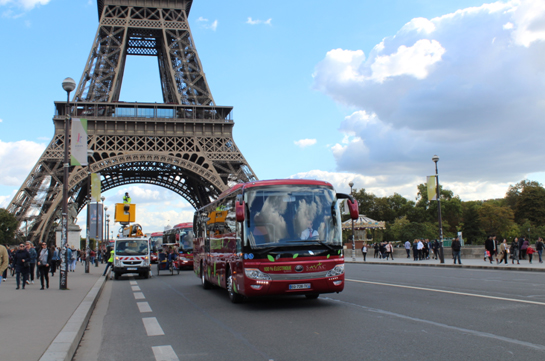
x=384 y=313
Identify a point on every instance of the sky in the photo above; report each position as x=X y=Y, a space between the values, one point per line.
x=351 y=90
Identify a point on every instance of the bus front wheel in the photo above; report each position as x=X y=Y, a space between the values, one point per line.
x=233 y=296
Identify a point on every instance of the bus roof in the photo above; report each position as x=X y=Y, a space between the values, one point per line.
x=184 y=225
x=156 y=234
x=274 y=182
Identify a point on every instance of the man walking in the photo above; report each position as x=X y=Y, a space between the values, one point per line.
x=33 y=255
x=22 y=265
x=539 y=248
x=44 y=260
x=408 y=248
x=456 y=250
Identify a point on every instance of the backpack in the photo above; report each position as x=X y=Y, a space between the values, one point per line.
x=74 y=255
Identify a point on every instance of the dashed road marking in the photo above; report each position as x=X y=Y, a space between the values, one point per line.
x=133 y=283
x=135 y=288
x=139 y=296
x=164 y=353
x=152 y=326
x=143 y=307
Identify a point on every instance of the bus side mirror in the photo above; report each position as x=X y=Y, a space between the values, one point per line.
x=240 y=207
x=353 y=208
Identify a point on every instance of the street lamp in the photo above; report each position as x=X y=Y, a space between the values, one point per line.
x=435 y=158
x=101 y=217
x=104 y=232
x=68 y=85
x=87 y=249
x=351 y=184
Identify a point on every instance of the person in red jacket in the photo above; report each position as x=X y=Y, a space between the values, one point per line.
x=530 y=251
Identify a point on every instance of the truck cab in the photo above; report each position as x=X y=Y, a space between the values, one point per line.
x=131 y=255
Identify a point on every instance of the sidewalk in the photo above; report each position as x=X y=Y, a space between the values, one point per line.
x=477 y=263
x=34 y=321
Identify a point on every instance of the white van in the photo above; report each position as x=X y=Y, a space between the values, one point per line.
x=131 y=255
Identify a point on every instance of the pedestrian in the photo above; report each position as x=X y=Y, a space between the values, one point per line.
x=92 y=255
x=503 y=252
x=33 y=255
x=110 y=260
x=521 y=244
x=515 y=251
x=73 y=259
x=489 y=247
x=408 y=248
x=415 y=249
x=44 y=260
x=376 y=248
x=4 y=262
x=389 y=250
x=426 y=249
x=54 y=260
x=22 y=265
x=364 y=251
x=539 y=248
x=435 y=248
x=456 y=250
x=530 y=251
x=420 y=249
x=523 y=248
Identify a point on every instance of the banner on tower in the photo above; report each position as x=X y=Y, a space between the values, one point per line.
x=78 y=143
x=95 y=186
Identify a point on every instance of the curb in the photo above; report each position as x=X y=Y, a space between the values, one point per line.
x=64 y=346
x=493 y=267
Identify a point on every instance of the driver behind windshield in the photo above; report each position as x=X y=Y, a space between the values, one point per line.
x=309 y=232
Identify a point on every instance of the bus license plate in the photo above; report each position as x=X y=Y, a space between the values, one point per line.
x=131 y=268
x=300 y=286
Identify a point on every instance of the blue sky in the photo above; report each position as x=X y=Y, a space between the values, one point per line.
x=351 y=90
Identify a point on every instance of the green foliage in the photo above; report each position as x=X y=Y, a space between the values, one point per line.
x=8 y=226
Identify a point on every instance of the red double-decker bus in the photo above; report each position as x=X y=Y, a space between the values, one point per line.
x=274 y=237
x=181 y=235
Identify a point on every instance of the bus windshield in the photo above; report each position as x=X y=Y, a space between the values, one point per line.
x=283 y=216
x=131 y=247
x=186 y=239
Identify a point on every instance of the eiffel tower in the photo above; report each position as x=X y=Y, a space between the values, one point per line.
x=184 y=144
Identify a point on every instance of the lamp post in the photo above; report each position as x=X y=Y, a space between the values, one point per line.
x=104 y=233
x=435 y=159
x=351 y=184
x=108 y=227
x=87 y=239
x=68 y=85
x=101 y=218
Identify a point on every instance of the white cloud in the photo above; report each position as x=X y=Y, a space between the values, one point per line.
x=1 y=120
x=25 y=4
x=463 y=86
x=205 y=23
x=17 y=160
x=305 y=142
x=256 y=22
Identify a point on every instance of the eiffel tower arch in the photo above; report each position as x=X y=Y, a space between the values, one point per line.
x=184 y=144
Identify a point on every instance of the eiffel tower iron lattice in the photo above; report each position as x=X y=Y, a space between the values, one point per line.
x=184 y=144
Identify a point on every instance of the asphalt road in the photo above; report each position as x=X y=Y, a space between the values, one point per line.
x=384 y=313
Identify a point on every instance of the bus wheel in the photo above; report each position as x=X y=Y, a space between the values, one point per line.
x=312 y=296
x=205 y=284
x=233 y=296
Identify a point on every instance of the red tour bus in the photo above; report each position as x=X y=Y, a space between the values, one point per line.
x=182 y=235
x=272 y=237
x=155 y=240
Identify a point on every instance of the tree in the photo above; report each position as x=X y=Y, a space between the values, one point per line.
x=8 y=226
x=496 y=219
x=471 y=229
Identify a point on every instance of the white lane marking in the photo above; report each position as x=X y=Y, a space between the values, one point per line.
x=143 y=307
x=136 y=288
x=164 y=353
x=138 y=296
x=133 y=283
x=451 y=292
x=152 y=326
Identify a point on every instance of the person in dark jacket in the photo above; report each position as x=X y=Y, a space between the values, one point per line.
x=22 y=264
x=456 y=248
x=515 y=251
x=539 y=248
x=489 y=246
x=45 y=259
x=521 y=243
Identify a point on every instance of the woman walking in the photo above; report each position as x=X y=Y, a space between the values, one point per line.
x=44 y=260
x=364 y=251
x=503 y=252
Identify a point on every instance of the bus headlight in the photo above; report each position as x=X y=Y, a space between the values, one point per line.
x=256 y=274
x=336 y=271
